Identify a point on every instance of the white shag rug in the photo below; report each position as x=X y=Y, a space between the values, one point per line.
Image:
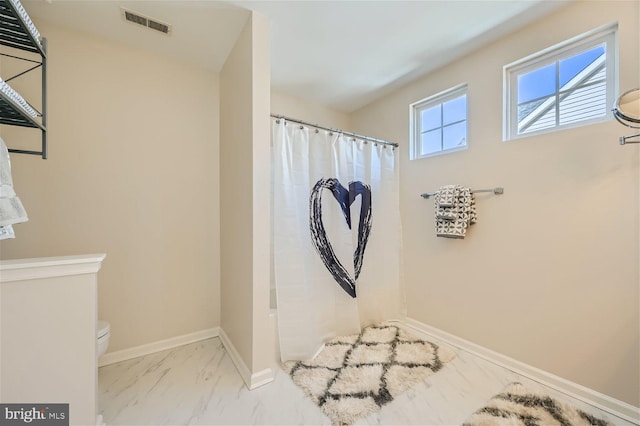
x=353 y=376
x=518 y=406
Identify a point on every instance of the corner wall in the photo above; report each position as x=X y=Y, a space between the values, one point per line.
x=245 y=202
x=132 y=172
x=549 y=274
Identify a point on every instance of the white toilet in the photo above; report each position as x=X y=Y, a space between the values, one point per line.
x=104 y=332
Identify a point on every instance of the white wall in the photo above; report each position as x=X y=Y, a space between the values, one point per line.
x=293 y=107
x=132 y=172
x=245 y=201
x=549 y=274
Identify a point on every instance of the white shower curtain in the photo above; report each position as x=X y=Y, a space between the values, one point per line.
x=337 y=236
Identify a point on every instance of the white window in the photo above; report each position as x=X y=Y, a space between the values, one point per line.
x=439 y=123
x=568 y=85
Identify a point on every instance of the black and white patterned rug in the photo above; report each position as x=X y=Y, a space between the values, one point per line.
x=353 y=376
x=518 y=406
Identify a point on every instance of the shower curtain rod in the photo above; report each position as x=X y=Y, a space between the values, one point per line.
x=317 y=126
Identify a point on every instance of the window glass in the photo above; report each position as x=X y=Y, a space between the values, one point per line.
x=431 y=118
x=454 y=136
x=439 y=123
x=537 y=84
x=568 y=85
x=455 y=110
x=572 y=66
x=430 y=142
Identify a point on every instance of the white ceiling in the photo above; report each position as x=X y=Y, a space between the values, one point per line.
x=342 y=54
x=203 y=31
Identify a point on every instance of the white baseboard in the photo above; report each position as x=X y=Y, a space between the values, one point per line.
x=251 y=380
x=590 y=396
x=160 y=345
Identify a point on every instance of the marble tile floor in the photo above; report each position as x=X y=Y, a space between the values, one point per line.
x=198 y=384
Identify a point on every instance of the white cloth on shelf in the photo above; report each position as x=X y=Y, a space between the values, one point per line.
x=27 y=20
x=453 y=219
x=6 y=232
x=11 y=209
x=15 y=97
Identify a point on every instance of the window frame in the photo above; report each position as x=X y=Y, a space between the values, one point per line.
x=416 y=108
x=607 y=35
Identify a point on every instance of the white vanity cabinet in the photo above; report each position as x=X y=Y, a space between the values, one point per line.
x=48 y=316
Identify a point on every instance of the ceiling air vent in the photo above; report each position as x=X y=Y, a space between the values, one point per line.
x=145 y=21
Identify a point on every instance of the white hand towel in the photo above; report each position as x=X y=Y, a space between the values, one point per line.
x=6 y=232
x=11 y=209
x=446 y=212
x=447 y=195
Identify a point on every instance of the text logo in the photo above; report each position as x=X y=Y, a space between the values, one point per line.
x=34 y=414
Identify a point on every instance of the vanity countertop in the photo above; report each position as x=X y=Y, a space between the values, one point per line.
x=43 y=267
